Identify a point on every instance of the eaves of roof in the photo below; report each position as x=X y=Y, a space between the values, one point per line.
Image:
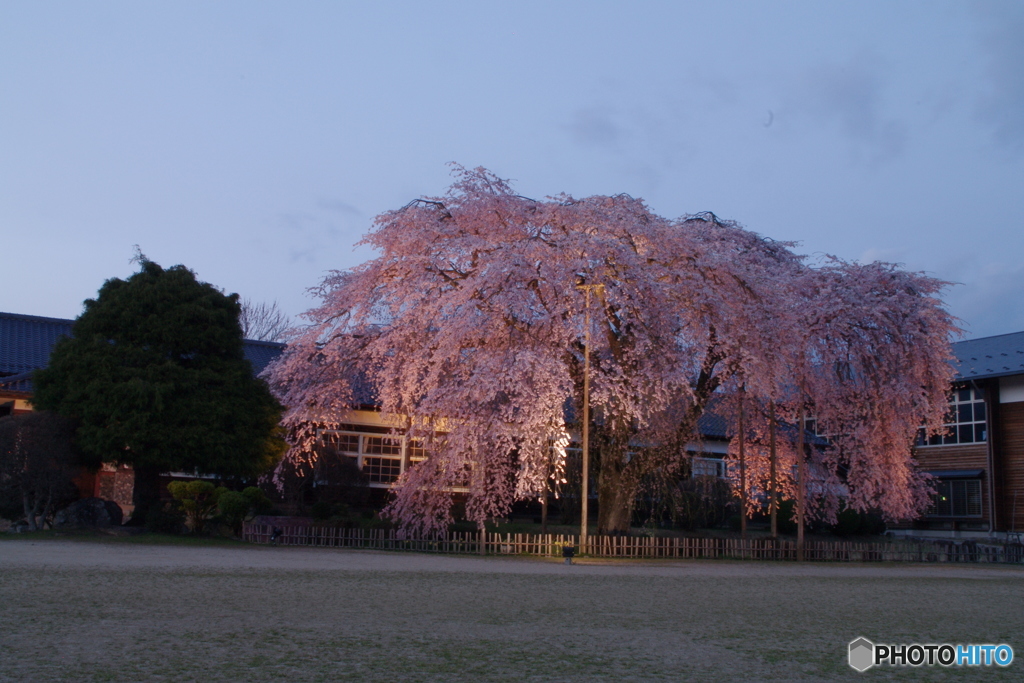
x=19 y=385
x=987 y=357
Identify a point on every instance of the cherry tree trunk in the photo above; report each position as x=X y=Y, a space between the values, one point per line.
x=616 y=495
x=145 y=494
x=31 y=507
x=544 y=504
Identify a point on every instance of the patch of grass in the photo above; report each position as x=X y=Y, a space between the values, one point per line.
x=119 y=535
x=222 y=624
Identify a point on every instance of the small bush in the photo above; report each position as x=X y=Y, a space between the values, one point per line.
x=259 y=504
x=851 y=522
x=198 y=499
x=235 y=508
x=848 y=523
x=379 y=523
x=872 y=523
x=787 y=517
x=165 y=519
x=322 y=510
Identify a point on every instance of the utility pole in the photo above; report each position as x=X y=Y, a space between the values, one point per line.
x=801 y=474
x=773 y=497
x=743 y=473
x=587 y=289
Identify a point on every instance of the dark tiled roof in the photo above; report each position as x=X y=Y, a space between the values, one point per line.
x=990 y=356
x=713 y=426
x=27 y=340
x=260 y=353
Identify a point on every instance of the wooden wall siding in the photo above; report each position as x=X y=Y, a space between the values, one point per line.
x=971 y=456
x=1011 y=460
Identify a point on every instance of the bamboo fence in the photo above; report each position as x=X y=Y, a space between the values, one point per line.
x=636 y=547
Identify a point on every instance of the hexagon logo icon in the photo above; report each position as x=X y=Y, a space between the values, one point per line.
x=862 y=654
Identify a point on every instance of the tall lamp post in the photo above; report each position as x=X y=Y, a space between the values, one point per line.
x=584 y=513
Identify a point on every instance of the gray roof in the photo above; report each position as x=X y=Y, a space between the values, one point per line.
x=260 y=353
x=996 y=356
x=27 y=340
x=713 y=425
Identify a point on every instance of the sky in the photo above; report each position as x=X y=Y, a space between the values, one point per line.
x=254 y=142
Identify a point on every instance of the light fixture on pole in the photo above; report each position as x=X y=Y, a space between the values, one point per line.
x=584 y=512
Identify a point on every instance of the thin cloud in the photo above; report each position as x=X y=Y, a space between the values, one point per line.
x=594 y=127
x=338 y=206
x=849 y=96
x=1001 y=106
x=990 y=302
x=873 y=254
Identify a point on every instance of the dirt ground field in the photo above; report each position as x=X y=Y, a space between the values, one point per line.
x=96 y=611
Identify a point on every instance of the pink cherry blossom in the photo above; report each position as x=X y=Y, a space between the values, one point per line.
x=470 y=323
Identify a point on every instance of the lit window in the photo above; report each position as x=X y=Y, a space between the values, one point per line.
x=709 y=467
x=956 y=498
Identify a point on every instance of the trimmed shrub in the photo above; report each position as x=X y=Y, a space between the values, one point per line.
x=165 y=519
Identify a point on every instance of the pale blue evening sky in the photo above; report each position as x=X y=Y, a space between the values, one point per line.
x=255 y=142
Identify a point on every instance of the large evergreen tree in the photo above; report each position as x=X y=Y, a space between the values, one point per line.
x=155 y=377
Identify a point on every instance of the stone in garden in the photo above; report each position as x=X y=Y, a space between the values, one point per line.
x=89 y=513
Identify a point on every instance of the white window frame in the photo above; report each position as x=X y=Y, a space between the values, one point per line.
x=959 y=430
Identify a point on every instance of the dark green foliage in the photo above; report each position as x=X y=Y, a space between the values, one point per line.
x=155 y=377
x=322 y=510
x=847 y=523
x=850 y=522
x=690 y=504
x=198 y=499
x=237 y=507
x=233 y=508
x=165 y=519
x=872 y=523
x=787 y=517
x=259 y=504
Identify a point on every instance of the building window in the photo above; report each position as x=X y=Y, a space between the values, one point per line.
x=366 y=451
x=956 y=498
x=378 y=454
x=382 y=470
x=343 y=443
x=811 y=425
x=709 y=467
x=417 y=450
x=383 y=445
x=965 y=421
